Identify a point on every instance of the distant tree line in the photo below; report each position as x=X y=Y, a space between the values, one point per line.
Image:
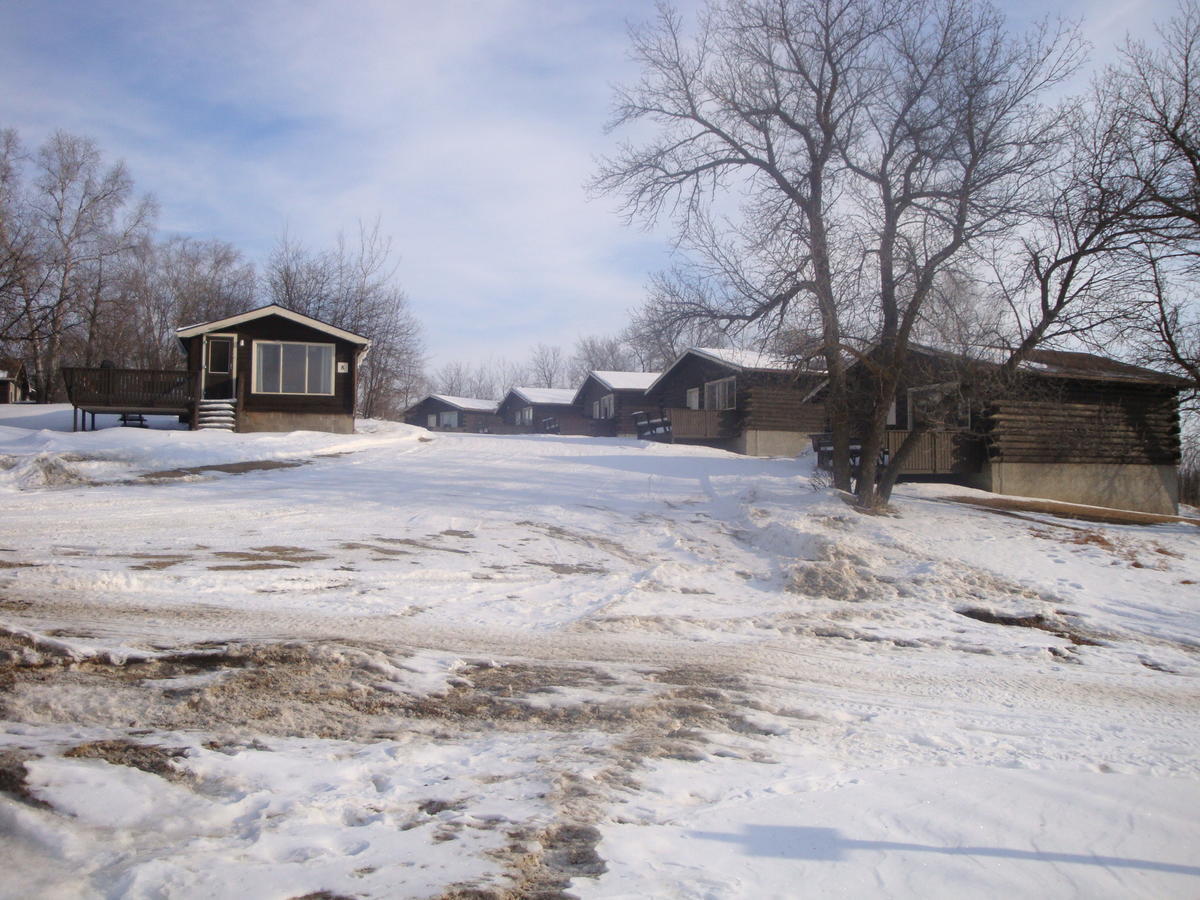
x=84 y=278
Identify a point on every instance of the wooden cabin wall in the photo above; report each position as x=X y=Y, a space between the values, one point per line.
x=277 y=328
x=625 y=404
x=1060 y=421
x=776 y=403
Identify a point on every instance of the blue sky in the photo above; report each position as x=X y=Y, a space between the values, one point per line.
x=467 y=128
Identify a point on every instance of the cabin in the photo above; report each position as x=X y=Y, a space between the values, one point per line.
x=14 y=383
x=740 y=400
x=441 y=412
x=612 y=402
x=1067 y=426
x=528 y=410
x=269 y=369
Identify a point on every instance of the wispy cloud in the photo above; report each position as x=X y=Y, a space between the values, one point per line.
x=468 y=128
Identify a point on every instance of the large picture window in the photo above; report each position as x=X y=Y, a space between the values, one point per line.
x=284 y=367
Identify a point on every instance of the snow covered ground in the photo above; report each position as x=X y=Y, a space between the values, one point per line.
x=400 y=664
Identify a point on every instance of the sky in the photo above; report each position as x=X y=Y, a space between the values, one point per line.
x=468 y=129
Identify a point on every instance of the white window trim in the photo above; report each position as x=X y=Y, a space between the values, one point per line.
x=693 y=397
x=732 y=382
x=254 y=369
x=606 y=407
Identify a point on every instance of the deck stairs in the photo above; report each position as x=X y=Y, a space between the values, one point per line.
x=217 y=414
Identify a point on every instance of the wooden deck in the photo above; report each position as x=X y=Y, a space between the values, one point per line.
x=130 y=391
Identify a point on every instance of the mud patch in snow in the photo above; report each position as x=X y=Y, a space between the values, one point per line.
x=1034 y=620
x=235 y=468
x=152 y=758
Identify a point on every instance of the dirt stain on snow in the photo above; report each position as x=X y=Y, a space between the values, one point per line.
x=234 y=468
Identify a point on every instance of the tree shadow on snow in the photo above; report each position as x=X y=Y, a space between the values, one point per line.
x=828 y=845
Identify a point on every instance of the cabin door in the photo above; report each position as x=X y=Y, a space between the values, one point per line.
x=220 y=367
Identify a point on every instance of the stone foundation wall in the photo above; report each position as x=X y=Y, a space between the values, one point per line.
x=335 y=423
x=1145 y=488
x=759 y=442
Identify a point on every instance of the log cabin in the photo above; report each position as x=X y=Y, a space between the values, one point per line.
x=740 y=400
x=611 y=402
x=14 y=383
x=441 y=412
x=529 y=410
x=1067 y=426
x=269 y=369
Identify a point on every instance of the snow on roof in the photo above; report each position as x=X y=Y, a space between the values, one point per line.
x=744 y=359
x=739 y=360
x=272 y=309
x=467 y=404
x=625 y=381
x=561 y=396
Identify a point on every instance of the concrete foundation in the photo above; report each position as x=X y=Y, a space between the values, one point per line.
x=295 y=421
x=1152 y=489
x=757 y=442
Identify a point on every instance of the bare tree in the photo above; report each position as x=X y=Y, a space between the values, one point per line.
x=65 y=234
x=595 y=353
x=352 y=287
x=1153 y=100
x=547 y=367
x=488 y=379
x=868 y=147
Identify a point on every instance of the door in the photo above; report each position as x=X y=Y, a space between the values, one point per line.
x=220 y=363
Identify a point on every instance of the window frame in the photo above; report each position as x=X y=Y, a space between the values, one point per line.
x=605 y=407
x=256 y=385
x=721 y=386
x=693 y=397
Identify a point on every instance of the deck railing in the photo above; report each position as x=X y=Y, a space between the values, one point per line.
x=935 y=453
x=169 y=390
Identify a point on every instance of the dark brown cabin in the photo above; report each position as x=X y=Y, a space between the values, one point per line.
x=611 y=402
x=1065 y=426
x=738 y=400
x=14 y=383
x=441 y=412
x=527 y=410
x=269 y=369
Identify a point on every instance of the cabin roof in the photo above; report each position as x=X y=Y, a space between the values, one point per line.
x=553 y=396
x=273 y=309
x=1065 y=364
x=624 y=381
x=10 y=368
x=618 y=381
x=466 y=404
x=732 y=358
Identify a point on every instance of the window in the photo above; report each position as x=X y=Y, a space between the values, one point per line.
x=431 y=420
x=693 y=398
x=605 y=407
x=282 y=367
x=448 y=419
x=720 y=394
x=525 y=415
x=220 y=356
